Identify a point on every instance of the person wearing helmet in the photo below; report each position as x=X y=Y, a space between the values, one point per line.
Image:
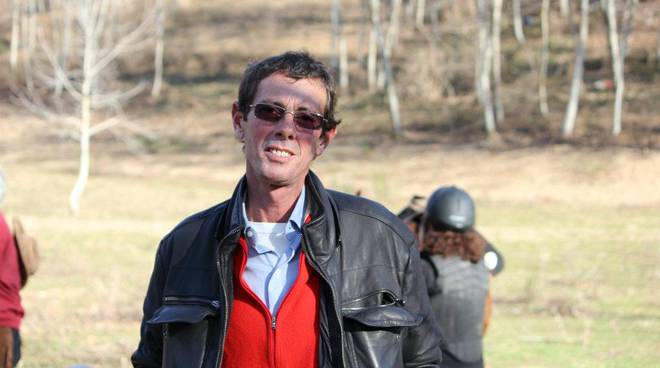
x=459 y=262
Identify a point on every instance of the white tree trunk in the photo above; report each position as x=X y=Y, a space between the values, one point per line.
x=393 y=30
x=628 y=16
x=15 y=28
x=410 y=9
x=372 y=58
x=26 y=42
x=419 y=15
x=335 y=12
x=517 y=22
x=343 y=63
x=617 y=65
x=392 y=95
x=395 y=111
x=497 y=65
x=160 y=48
x=63 y=54
x=391 y=38
x=484 y=57
x=565 y=8
x=543 y=70
x=578 y=71
x=83 y=170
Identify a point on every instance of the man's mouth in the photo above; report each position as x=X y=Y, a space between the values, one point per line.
x=279 y=152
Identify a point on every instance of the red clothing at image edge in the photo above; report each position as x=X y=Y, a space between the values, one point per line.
x=11 y=311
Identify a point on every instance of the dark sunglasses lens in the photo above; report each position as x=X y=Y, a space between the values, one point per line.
x=307 y=120
x=268 y=112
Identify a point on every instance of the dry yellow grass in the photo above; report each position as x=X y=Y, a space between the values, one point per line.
x=535 y=204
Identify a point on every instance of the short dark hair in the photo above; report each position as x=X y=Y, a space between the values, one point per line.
x=293 y=64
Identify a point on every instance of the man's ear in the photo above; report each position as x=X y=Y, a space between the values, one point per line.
x=324 y=141
x=237 y=121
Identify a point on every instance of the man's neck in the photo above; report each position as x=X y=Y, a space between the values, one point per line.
x=271 y=204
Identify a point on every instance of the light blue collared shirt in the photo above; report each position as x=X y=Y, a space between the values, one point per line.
x=273 y=256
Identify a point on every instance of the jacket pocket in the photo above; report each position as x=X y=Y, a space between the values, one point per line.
x=185 y=329
x=374 y=334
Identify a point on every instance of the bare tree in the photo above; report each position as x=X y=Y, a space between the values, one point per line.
x=92 y=97
x=543 y=70
x=343 y=64
x=339 y=48
x=372 y=58
x=483 y=65
x=391 y=39
x=23 y=36
x=565 y=8
x=517 y=22
x=335 y=14
x=628 y=15
x=618 y=40
x=15 y=30
x=419 y=13
x=617 y=64
x=578 y=70
x=392 y=95
x=161 y=16
x=497 y=64
x=393 y=29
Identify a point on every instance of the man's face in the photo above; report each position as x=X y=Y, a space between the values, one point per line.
x=278 y=153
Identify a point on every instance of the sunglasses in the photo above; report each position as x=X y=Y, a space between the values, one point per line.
x=306 y=120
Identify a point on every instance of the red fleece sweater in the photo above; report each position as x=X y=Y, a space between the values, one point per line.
x=11 y=311
x=257 y=340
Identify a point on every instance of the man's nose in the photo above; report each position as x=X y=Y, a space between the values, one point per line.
x=286 y=127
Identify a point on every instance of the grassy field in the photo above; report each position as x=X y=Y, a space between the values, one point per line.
x=579 y=230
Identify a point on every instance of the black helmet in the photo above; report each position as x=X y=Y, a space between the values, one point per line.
x=450 y=208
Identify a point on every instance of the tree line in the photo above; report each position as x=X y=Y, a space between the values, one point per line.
x=64 y=55
x=483 y=23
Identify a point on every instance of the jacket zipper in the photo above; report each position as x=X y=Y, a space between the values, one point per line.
x=225 y=321
x=215 y=304
x=272 y=343
x=395 y=300
x=333 y=292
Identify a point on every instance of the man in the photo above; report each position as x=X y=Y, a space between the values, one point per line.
x=11 y=311
x=286 y=273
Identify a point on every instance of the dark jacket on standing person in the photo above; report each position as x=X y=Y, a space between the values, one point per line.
x=373 y=311
x=458 y=295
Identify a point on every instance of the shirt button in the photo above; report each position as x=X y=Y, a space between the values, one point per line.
x=250 y=234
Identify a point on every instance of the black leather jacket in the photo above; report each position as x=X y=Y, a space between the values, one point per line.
x=374 y=308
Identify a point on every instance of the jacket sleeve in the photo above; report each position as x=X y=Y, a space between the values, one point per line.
x=150 y=349
x=421 y=347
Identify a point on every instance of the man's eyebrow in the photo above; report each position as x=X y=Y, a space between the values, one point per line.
x=304 y=106
x=269 y=101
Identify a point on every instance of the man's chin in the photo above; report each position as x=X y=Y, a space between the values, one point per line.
x=283 y=180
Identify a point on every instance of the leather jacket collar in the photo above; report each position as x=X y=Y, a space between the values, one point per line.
x=322 y=230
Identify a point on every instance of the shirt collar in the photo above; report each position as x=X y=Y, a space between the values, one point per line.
x=296 y=220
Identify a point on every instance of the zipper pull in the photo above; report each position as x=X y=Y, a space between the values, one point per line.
x=273 y=324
